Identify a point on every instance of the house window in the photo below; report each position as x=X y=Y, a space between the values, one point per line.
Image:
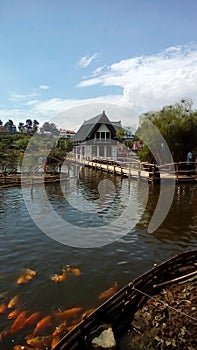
x=103 y=135
x=101 y=151
x=98 y=135
x=94 y=151
x=107 y=135
x=109 y=152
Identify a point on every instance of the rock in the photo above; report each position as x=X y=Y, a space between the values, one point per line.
x=102 y=338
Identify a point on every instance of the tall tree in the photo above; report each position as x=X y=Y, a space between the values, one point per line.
x=28 y=125
x=177 y=124
x=49 y=127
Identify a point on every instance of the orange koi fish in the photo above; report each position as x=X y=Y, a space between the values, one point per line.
x=42 y=325
x=59 y=330
x=23 y=347
x=13 y=302
x=54 y=342
x=59 y=278
x=87 y=313
x=71 y=327
x=109 y=292
x=76 y=271
x=32 y=319
x=3 y=308
x=26 y=276
x=19 y=322
x=13 y=314
x=67 y=268
x=40 y=342
x=68 y=313
x=30 y=272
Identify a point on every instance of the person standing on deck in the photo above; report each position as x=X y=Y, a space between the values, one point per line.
x=189 y=162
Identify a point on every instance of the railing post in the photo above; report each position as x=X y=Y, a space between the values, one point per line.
x=139 y=170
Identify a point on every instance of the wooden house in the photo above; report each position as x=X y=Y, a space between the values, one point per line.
x=96 y=138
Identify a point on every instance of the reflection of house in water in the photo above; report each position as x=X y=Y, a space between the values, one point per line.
x=96 y=138
x=91 y=186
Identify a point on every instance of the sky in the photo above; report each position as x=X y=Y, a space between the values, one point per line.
x=56 y=56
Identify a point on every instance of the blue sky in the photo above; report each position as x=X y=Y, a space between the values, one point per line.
x=58 y=55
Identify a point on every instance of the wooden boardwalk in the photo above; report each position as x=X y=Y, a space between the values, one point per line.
x=130 y=169
x=143 y=171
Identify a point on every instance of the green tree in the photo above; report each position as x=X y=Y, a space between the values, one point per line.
x=49 y=127
x=177 y=124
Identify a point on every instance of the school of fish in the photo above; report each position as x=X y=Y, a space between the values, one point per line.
x=43 y=331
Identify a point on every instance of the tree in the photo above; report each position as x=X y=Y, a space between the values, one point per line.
x=21 y=127
x=49 y=127
x=35 y=125
x=10 y=126
x=177 y=124
x=58 y=153
x=120 y=134
x=28 y=125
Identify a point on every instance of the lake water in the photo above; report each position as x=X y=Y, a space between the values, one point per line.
x=78 y=201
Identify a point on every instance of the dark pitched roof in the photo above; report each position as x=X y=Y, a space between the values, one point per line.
x=90 y=126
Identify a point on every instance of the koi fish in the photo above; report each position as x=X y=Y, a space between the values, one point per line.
x=71 y=327
x=19 y=322
x=13 y=302
x=69 y=269
x=68 y=313
x=30 y=272
x=3 y=308
x=40 y=342
x=42 y=325
x=59 y=278
x=87 y=313
x=76 y=271
x=26 y=276
x=59 y=330
x=23 y=347
x=54 y=342
x=32 y=319
x=109 y=292
x=13 y=314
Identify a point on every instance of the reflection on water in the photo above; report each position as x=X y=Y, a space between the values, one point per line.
x=23 y=245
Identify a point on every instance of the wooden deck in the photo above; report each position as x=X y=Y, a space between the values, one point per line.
x=143 y=171
x=130 y=169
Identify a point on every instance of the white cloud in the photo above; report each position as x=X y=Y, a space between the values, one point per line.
x=70 y=113
x=16 y=97
x=86 y=60
x=44 y=87
x=147 y=83
x=31 y=102
x=150 y=82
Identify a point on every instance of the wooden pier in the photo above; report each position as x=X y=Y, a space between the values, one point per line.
x=132 y=169
x=142 y=170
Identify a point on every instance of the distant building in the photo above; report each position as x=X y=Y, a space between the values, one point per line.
x=137 y=146
x=66 y=134
x=96 y=138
